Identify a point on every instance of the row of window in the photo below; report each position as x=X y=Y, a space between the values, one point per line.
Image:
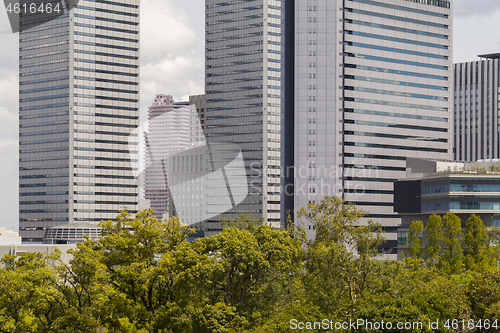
x=43 y=89
x=394 y=39
x=43 y=141
x=105 y=159
x=44 y=27
x=40 y=98
x=403 y=105
x=106 y=115
x=29 y=39
x=393 y=125
x=400 y=83
x=399 y=29
x=30 y=194
x=396 y=93
x=79 y=33
x=49 y=123
x=43 y=132
x=433 y=206
x=94 y=79
x=106 y=98
x=54 y=70
x=460 y=188
x=238 y=27
x=238 y=80
x=52 y=79
x=233 y=11
x=109 y=46
x=103 y=132
x=41 y=46
x=238 y=54
x=103 y=54
x=247 y=35
x=92 y=70
x=395 y=136
x=399 y=72
x=234 y=89
x=122 y=4
x=374 y=145
x=395 y=17
x=398 y=115
x=407 y=9
x=102 y=10
x=396 y=61
x=236 y=19
x=396 y=50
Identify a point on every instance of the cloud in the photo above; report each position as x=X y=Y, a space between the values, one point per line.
x=468 y=8
x=474 y=35
x=172 y=51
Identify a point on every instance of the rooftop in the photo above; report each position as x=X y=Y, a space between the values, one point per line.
x=78 y=225
x=490 y=56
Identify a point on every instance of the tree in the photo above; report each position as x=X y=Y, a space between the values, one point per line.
x=434 y=233
x=452 y=259
x=246 y=273
x=414 y=243
x=339 y=262
x=478 y=253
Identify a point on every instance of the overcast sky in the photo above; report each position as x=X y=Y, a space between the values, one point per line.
x=172 y=62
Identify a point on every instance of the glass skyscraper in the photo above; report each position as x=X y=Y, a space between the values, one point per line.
x=243 y=97
x=79 y=103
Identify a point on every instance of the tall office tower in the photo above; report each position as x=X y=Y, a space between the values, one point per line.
x=79 y=102
x=243 y=106
x=168 y=133
x=197 y=120
x=368 y=85
x=477 y=117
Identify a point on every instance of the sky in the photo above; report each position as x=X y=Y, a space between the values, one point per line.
x=172 y=62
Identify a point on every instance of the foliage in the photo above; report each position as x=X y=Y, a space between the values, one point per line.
x=478 y=253
x=452 y=259
x=143 y=276
x=434 y=232
x=414 y=243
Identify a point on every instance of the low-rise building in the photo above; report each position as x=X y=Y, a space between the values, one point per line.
x=438 y=187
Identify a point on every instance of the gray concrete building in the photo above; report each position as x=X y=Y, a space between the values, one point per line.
x=243 y=96
x=79 y=103
x=477 y=118
x=369 y=84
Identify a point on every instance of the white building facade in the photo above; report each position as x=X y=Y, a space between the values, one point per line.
x=372 y=86
x=168 y=133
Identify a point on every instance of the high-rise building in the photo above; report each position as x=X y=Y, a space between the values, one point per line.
x=243 y=96
x=477 y=117
x=168 y=133
x=367 y=83
x=79 y=103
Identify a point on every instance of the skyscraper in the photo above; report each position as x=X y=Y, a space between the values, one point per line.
x=169 y=133
x=477 y=118
x=369 y=84
x=243 y=96
x=79 y=103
